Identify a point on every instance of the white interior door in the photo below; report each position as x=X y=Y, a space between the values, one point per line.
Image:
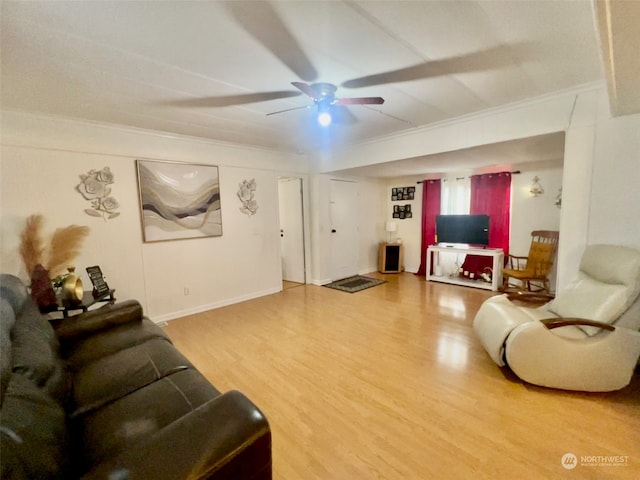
x=291 y=229
x=344 y=229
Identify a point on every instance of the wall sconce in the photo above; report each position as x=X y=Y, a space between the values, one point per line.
x=536 y=189
x=390 y=227
x=558 y=202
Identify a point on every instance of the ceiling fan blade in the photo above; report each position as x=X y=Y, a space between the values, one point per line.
x=359 y=101
x=307 y=90
x=288 y=110
x=262 y=22
x=490 y=58
x=230 y=100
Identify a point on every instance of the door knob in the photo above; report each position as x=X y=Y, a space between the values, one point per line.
x=333 y=230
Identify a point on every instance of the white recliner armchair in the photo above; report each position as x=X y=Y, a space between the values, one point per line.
x=587 y=338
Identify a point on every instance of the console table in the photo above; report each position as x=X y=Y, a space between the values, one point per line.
x=496 y=278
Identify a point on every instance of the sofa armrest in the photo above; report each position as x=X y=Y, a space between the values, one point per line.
x=79 y=326
x=558 y=322
x=227 y=437
x=530 y=298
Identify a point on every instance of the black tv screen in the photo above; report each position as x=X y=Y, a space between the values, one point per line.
x=469 y=229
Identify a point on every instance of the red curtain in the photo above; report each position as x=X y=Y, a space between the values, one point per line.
x=491 y=195
x=430 y=208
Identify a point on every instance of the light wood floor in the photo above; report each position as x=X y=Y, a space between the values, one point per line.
x=391 y=383
x=286 y=284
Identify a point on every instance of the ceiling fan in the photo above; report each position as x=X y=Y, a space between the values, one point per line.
x=323 y=95
x=261 y=21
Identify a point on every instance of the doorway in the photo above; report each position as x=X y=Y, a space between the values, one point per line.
x=292 y=249
x=344 y=229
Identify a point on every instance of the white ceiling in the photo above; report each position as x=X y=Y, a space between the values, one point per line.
x=171 y=65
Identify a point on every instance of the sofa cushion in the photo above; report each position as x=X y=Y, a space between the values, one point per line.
x=631 y=317
x=614 y=264
x=111 y=429
x=591 y=299
x=13 y=290
x=12 y=297
x=117 y=375
x=7 y=319
x=81 y=352
x=34 y=345
x=33 y=433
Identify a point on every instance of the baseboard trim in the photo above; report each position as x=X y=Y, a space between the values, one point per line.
x=212 y=306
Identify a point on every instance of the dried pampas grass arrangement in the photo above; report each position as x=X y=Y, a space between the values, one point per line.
x=65 y=246
x=31 y=244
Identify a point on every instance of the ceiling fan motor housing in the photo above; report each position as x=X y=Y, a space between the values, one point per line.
x=326 y=92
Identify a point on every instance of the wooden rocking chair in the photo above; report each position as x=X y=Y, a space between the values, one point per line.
x=532 y=272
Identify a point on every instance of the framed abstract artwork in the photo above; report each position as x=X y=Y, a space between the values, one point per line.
x=178 y=200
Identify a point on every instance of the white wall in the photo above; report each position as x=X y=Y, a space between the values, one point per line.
x=576 y=185
x=614 y=215
x=370 y=220
x=41 y=161
x=530 y=213
x=593 y=140
x=408 y=229
x=371 y=224
x=243 y=263
x=41 y=181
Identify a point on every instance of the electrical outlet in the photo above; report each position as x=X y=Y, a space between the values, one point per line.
x=186 y=290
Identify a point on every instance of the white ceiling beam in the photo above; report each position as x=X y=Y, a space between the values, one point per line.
x=618 y=23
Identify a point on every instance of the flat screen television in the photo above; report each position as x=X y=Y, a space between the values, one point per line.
x=468 y=229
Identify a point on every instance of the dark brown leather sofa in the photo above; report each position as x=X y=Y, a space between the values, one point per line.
x=107 y=396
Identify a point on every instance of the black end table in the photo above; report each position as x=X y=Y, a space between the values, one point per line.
x=88 y=300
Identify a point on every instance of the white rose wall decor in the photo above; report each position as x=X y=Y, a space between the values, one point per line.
x=94 y=186
x=246 y=194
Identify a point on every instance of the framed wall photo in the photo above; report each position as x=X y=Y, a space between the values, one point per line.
x=403 y=193
x=178 y=200
x=402 y=211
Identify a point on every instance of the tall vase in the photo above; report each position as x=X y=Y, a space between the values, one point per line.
x=72 y=289
x=41 y=290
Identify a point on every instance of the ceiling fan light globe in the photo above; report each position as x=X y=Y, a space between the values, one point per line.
x=324 y=119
